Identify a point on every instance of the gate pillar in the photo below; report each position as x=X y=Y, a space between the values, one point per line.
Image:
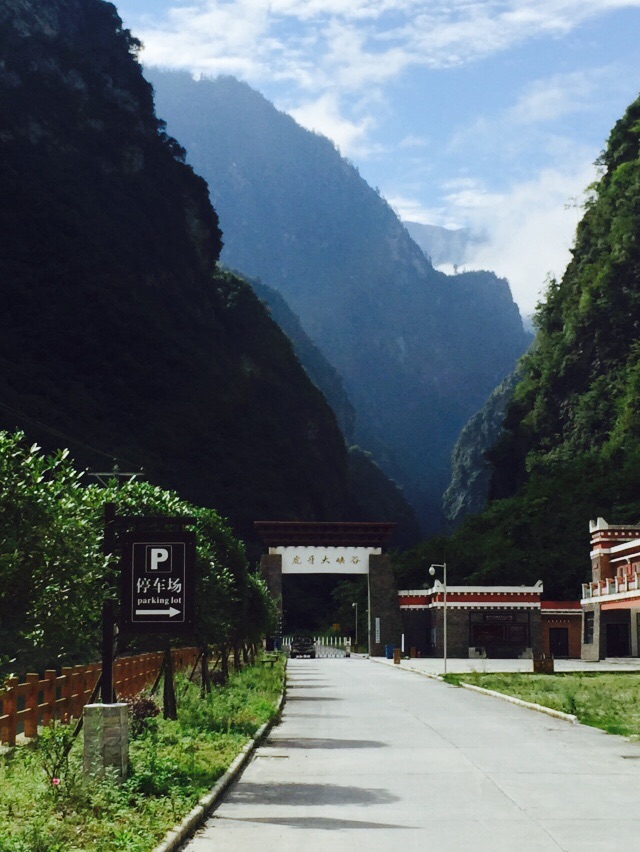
x=383 y=605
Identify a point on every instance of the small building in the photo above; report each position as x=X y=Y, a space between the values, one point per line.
x=561 y=629
x=611 y=601
x=498 y=622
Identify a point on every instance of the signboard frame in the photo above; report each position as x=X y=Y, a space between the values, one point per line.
x=158 y=575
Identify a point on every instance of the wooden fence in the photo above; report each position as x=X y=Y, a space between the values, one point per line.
x=38 y=701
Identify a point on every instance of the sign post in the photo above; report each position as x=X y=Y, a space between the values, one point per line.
x=108 y=548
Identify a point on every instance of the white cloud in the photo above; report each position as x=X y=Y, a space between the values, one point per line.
x=554 y=97
x=352 y=44
x=323 y=115
x=411 y=210
x=530 y=227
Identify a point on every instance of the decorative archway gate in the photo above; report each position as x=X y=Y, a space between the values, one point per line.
x=327 y=547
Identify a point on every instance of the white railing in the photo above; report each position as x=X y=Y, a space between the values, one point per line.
x=612 y=586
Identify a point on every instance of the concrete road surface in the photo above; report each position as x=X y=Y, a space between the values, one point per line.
x=369 y=757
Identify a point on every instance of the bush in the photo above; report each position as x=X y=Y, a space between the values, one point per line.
x=142 y=712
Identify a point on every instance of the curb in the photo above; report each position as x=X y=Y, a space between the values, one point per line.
x=382 y=661
x=558 y=714
x=174 y=838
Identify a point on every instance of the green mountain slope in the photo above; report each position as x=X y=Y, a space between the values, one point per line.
x=570 y=450
x=471 y=473
x=418 y=351
x=118 y=332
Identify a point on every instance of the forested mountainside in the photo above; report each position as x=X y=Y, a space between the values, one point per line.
x=570 y=450
x=471 y=471
x=320 y=371
x=119 y=334
x=418 y=351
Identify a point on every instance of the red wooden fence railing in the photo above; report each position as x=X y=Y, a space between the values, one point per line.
x=38 y=701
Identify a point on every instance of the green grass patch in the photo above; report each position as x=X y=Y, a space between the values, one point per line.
x=172 y=764
x=610 y=700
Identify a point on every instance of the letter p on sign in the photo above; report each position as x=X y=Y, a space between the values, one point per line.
x=159 y=559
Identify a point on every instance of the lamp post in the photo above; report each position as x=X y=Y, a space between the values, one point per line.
x=356 y=608
x=432 y=571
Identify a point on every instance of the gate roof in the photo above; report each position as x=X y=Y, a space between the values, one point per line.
x=324 y=533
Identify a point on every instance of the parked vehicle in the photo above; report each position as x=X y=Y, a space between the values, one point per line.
x=302 y=646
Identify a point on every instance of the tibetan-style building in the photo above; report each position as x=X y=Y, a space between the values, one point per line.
x=499 y=622
x=611 y=601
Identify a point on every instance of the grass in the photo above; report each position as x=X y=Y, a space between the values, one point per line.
x=610 y=701
x=172 y=765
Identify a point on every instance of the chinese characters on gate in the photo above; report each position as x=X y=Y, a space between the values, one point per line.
x=328 y=560
x=339 y=560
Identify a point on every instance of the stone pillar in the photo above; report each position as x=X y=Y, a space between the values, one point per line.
x=383 y=604
x=591 y=651
x=106 y=740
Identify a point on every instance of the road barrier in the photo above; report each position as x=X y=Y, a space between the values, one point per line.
x=39 y=701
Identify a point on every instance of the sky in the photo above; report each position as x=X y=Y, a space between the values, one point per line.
x=486 y=114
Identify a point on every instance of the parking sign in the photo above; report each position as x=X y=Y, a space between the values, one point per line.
x=158 y=592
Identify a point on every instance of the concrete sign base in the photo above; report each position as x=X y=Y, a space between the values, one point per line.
x=106 y=740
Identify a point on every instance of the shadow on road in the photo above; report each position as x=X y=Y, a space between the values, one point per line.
x=322 y=823
x=317 y=742
x=250 y=793
x=312 y=698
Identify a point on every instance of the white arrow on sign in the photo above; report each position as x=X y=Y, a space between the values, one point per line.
x=170 y=612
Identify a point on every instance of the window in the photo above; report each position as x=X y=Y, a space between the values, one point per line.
x=589 y=619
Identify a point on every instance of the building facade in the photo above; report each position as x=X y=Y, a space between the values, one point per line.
x=497 y=622
x=611 y=601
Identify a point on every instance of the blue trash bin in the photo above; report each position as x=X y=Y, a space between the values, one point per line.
x=388 y=651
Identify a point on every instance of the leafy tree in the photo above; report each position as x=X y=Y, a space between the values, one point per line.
x=54 y=577
x=51 y=565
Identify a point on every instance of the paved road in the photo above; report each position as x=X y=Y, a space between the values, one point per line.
x=370 y=758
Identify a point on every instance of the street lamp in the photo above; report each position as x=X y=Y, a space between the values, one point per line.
x=432 y=571
x=356 y=608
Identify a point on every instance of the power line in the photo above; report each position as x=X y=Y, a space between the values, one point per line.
x=58 y=434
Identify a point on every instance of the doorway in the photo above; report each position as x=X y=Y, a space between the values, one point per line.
x=559 y=641
x=618 y=640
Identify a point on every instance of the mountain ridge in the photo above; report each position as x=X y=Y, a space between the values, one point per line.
x=409 y=342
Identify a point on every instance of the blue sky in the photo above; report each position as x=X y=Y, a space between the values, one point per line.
x=486 y=114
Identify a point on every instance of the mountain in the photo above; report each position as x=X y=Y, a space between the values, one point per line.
x=377 y=497
x=320 y=371
x=444 y=245
x=121 y=338
x=570 y=447
x=468 y=490
x=418 y=351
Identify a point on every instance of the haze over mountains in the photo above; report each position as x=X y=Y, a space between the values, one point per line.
x=444 y=246
x=418 y=351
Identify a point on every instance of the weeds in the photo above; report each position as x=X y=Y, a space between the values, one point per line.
x=172 y=764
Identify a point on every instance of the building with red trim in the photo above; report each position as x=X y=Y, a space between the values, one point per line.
x=611 y=601
x=500 y=622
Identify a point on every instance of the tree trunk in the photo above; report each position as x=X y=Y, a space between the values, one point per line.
x=236 y=658
x=205 y=686
x=169 y=691
x=245 y=654
x=224 y=662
